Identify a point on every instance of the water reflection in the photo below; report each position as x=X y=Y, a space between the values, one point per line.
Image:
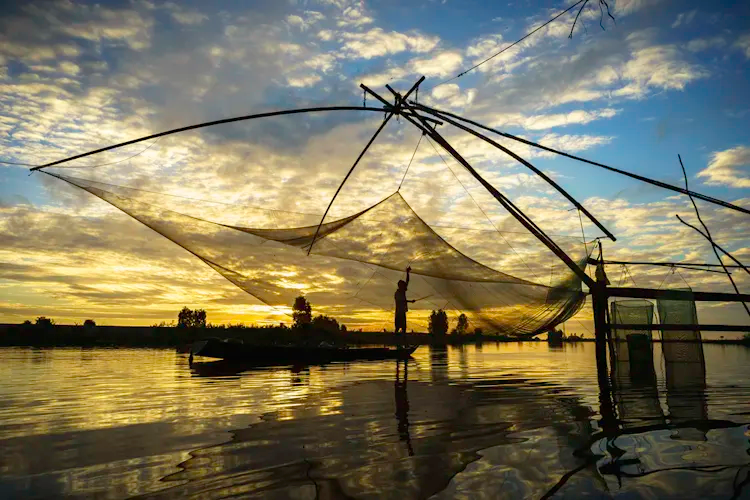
x=678 y=454
x=507 y=421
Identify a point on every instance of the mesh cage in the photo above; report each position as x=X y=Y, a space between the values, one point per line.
x=682 y=346
x=632 y=312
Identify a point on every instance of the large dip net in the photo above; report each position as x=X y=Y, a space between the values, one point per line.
x=243 y=216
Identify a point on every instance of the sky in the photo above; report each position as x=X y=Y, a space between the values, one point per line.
x=664 y=78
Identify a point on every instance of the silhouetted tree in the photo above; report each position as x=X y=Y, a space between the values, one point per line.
x=438 y=323
x=325 y=324
x=27 y=322
x=89 y=323
x=461 y=326
x=41 y=321
x=478 y=332
x=301 y=312
x=343 y=328
x=188 y=318
x=200 y=318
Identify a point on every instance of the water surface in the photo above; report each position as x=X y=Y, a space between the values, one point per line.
x=492 y=421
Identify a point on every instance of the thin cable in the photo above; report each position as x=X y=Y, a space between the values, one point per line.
x=480 y=208
x=409 y=165
x=622 y=276
x=683 y=279
x=583 y=234
x=669 y=273
x=17 y=163
x=630 y=275
x=113 y=162
x=511 y=45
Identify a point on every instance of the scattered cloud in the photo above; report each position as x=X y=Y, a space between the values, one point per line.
x=730 y=167
x=303 y=81
x=701 y=44
x=743 y=44
x=353 y=15
x=626 y=7
x=545 y=121
x=377 y=43
x=185 y=16
x=684 y=18
x=306 y=20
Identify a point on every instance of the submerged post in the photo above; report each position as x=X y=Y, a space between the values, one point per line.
x=600 y=303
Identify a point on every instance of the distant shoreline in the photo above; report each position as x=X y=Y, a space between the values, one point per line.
x=19 y=335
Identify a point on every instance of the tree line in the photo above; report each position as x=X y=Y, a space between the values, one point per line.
x=302 y=319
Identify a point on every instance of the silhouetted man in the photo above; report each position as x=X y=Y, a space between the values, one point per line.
x=402 y=303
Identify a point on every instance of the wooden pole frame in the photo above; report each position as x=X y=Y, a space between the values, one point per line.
x=393 y=110
x=443 y=114
x=531 y=167
x=502 y=199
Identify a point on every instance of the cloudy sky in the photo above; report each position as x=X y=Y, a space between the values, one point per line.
x=666 y=78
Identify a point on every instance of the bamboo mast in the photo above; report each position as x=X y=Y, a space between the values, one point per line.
x=209 y=124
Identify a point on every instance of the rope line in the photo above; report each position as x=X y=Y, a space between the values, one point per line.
x=482 y=210
x=409 y=165
x=511 y=45
x=113 y=162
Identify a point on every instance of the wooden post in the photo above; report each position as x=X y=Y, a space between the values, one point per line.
x=599 y=300
x=601 y=327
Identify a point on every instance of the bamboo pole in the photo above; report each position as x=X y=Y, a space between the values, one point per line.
x=393 y=111
x=443 y=114
x=502 y=199
x=209 y=124
x=652 y=293
x=665 y=264
x=676 y=328
x=536 y=171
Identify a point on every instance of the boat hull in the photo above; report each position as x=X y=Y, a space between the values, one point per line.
x=233 y=351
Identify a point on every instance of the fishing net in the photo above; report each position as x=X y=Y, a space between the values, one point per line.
x=630 y=312
x=467 y=255
x=683 y=346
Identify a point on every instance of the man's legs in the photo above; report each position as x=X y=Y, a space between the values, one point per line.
x=400 y=323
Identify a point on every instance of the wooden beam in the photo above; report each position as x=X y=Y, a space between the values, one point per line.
x=651 y=293
x=665 y=264
x=672 y=328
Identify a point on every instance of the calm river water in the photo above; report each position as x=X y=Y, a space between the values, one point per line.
x=490 y=421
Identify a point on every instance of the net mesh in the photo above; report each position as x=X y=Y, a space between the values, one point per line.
x=247 y=198
x=355 y=261
x=683 y=346
x=630 y=312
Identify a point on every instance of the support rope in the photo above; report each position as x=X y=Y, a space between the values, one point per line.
x=482 y=210
x=409 y=165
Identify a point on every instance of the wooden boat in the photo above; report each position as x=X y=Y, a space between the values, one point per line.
x=235 y=350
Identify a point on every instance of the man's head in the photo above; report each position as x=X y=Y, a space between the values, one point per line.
x=401 y=285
